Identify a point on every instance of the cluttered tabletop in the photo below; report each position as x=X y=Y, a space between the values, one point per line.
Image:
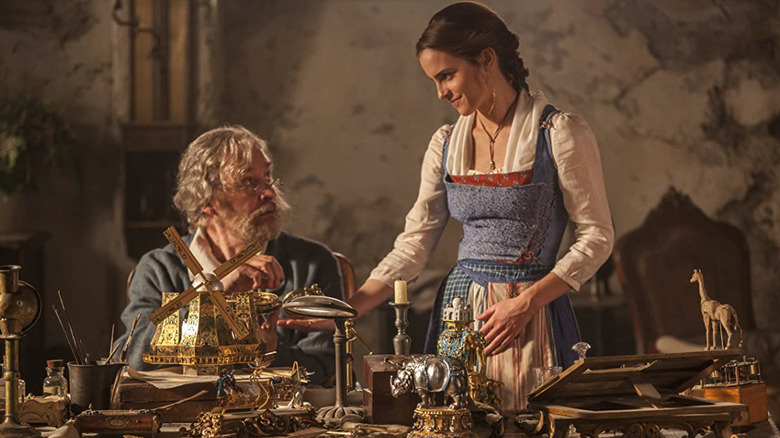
x=263 y=402
x=225 y=387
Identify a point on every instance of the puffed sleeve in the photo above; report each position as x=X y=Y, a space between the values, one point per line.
x=576 y=154
x=425 y=222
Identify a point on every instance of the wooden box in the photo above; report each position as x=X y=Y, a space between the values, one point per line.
x=119 y=422
x=132 y=394
x=379 y=404
x=50 y=410
x=638 y=395
x=752 y=394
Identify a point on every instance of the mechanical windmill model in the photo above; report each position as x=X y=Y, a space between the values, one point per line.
x=217 y=332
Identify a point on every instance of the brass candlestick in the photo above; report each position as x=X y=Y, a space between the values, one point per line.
x=20 y=307
x=352 y=335
x=402 y=343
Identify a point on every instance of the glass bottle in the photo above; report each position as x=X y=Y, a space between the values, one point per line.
x=22 y=384
x=55 y=383
x=22 y=390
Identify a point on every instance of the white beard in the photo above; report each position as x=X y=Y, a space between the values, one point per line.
x=248 y=228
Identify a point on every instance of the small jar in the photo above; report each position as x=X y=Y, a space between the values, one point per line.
x=55 y=382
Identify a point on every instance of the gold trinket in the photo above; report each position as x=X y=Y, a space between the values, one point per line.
x=218 y=332
x=459 y=341
x=442 y=423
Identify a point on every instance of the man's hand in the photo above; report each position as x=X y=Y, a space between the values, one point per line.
x=260 y=272
x=307 y=325
x=268 y=328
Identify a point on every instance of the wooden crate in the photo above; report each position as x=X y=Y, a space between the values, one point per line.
x=634 y=393
x=752 y=394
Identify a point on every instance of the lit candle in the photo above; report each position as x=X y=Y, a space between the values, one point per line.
x=400 y=292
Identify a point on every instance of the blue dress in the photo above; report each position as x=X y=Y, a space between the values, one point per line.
x=511 y=236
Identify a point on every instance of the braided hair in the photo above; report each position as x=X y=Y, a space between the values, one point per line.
x=466 y=29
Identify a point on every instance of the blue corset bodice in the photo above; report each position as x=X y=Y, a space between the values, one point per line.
x=521 y=224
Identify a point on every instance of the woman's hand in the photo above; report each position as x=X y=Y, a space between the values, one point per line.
x=308 y=324
x=505 y=321
x=260 y=272
x=268 y=328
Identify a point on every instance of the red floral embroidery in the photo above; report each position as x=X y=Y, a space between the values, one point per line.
x=512 y=179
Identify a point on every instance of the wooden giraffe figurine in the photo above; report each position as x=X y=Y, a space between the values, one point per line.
x=716 y=316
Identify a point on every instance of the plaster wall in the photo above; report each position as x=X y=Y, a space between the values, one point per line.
x=679 y=94
x=63 y=52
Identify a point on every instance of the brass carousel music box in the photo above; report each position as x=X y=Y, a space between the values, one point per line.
x=738 y=381
x=459 y=341
x=218 y=332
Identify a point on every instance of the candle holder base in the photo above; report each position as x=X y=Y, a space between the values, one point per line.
x=10 y=429
x=402 y=343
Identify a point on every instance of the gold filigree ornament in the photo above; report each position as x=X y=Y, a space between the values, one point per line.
x=266 y=422
x=442 y=423
x=217 y=332
x=459 y=341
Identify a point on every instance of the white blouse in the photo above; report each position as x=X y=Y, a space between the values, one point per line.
x=579 y=174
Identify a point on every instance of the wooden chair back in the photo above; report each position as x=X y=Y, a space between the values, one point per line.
x=347 y=274
x=655 y=262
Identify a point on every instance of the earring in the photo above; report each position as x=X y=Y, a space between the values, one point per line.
x=493 y=103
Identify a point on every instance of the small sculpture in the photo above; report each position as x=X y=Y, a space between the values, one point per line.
x=581 y=348
x=429 y=374
x=716 y=316
x=233 y=398
x=459 y=341
x=285 y=385
x=226 y=383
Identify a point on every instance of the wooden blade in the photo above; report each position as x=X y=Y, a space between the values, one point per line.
x=220 y=303
x=222 y=306
x=184 y=252
x=174 y=305
x=239 y=259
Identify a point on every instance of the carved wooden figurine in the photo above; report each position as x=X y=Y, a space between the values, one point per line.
x=716 y=316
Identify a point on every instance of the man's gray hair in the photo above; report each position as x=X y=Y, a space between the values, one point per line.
x=213 y=159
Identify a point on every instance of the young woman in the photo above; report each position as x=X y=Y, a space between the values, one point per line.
x=513 y=169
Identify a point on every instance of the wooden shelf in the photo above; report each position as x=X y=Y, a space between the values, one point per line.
x=152 y=153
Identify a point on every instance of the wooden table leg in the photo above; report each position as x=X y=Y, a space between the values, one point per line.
x=558 y=428
x=722 y=429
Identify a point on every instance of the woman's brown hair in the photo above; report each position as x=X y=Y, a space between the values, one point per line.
x=466 y=29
